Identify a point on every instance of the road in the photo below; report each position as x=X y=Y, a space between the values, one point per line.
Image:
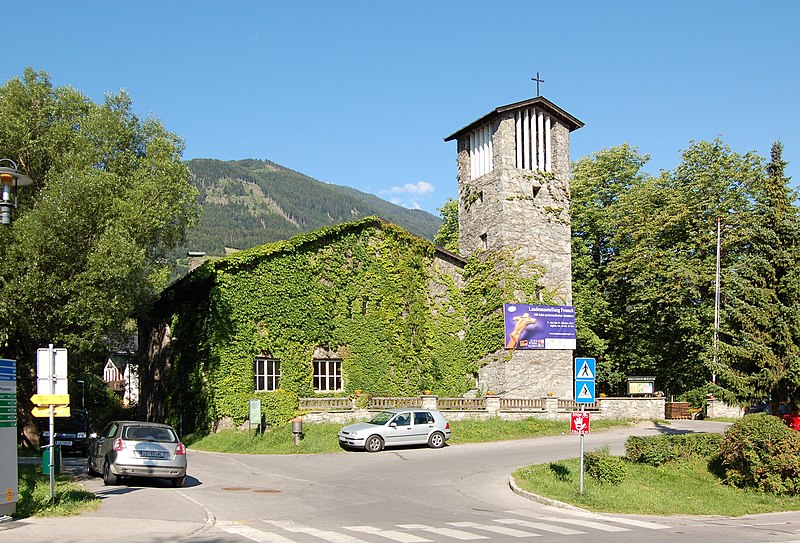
x=409 y=495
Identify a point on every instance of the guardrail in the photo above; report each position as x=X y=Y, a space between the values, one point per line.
x=522 y=404
x=461 y=404
x=572 y=405
x=325 y=404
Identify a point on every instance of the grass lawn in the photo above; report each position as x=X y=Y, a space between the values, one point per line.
x=679 y=488
x=34 y=495
x=322 y=437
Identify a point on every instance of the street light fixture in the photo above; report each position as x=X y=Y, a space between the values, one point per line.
x=10 y=179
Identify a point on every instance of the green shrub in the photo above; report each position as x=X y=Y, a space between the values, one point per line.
x=277 y=407
x=657 y=450
x=605 y=468
x=761 y=452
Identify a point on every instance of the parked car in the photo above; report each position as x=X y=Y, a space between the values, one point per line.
x=397 y=427
x=137 y=449
x=72 y=433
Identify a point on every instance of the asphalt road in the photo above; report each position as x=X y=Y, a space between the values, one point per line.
x=409 y=495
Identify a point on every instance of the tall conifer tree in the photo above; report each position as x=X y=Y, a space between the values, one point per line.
x=760 y=336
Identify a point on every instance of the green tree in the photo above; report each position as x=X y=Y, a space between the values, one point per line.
x=760 y=337
x=86 y=251
x=447 y=236
x=597 y=185
x=661 y=283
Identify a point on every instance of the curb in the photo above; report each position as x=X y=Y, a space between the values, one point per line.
x=512 y=483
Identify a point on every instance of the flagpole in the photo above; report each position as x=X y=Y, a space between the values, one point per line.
x=716 y=305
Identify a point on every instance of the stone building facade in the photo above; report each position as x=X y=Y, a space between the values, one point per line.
x=513 y=181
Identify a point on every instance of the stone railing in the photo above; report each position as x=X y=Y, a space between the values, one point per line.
x=347 y=409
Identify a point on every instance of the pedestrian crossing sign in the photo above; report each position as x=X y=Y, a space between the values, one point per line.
x=584 y=368
x=584 y=380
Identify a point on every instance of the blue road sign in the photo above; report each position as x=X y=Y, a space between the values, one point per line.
x=584 y=380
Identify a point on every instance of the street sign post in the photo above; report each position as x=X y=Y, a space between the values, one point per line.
x=255 y=414
x=51 y=388
x=584 y=393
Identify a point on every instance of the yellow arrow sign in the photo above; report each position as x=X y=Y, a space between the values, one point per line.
x=48 y=399
x=44 y=412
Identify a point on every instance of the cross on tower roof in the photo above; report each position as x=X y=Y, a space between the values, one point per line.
x=538 y=80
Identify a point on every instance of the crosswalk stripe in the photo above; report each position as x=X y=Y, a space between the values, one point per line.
x=539 y=526
x=496 y=529
x=605 y=518
x=576 y=521
x=251 y=533
x=394 y=535
x=333 y=537
x=449 y=532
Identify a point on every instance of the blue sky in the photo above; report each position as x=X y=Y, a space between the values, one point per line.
x=362 y=93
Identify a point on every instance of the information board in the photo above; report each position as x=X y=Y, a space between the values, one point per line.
x=8 y=437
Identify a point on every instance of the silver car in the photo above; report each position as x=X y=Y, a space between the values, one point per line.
x=392 y=427
x=137 y=449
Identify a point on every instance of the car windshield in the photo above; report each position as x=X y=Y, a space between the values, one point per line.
x=382 y=418
x=149 y=433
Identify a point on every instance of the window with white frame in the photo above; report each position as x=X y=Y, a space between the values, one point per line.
x=327 y=375
x=267 y=372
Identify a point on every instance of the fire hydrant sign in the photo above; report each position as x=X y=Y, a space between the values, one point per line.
x=579 y=422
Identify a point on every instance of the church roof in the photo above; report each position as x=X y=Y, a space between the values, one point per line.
x=571 y=122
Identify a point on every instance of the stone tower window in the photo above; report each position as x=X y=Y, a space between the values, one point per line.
x=484 y=241
x=533 y=143
x=536 y=189
x=480 y=151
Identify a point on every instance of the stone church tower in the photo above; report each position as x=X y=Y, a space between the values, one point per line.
x=513 y=187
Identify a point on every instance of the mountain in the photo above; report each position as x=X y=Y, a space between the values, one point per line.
x=251 y=202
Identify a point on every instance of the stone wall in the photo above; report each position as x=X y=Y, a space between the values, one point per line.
x=716 y=409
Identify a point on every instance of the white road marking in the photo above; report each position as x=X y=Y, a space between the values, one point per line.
x=333 y=537
x=251 y=533
x=449 y=532
x=495 y=529
x=607 y=518
x=539 y=526
x=574 y=521
x=394 y=535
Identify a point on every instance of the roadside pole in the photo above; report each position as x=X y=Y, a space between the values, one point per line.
x=584 y=393
x=51 y=399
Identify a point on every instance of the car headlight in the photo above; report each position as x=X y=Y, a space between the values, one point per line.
x=81 y=435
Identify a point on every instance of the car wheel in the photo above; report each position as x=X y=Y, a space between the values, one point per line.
x=373 y=444
x=108 y=477
x=436 y=440
x=178 y=482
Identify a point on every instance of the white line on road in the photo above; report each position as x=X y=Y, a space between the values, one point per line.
x=252 y=533
x=449 y=532
x=394 y=535
x=606 y=518
x=333 y=537
x=540 y=526
x=495 y=529
x=575 y=521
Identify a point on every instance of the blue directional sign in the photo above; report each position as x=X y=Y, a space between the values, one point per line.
x=584 y=380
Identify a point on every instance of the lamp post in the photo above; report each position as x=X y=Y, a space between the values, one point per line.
x=10 y=179
x=83 y=395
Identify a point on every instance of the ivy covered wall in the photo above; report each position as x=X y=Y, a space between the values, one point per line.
x=402 y=317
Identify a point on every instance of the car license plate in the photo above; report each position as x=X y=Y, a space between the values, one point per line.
x=151 y=454
x=64 y=443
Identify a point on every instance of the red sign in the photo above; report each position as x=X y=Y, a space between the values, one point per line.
x=579 y=422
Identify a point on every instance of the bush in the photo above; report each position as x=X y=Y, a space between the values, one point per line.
x=657 y=450
x=760 y=452
x=605 y=468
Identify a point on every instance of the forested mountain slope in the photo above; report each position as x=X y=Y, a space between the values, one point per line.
x=251 y=202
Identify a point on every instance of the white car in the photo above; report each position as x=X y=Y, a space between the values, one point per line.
x=407 y=426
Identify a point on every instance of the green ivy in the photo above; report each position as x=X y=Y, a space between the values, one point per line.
x=367 y=290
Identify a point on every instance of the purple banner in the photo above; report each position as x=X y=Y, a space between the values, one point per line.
x=539 y=326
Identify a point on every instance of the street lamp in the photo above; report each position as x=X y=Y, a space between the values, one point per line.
x=83 y=396
x=10 y=179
